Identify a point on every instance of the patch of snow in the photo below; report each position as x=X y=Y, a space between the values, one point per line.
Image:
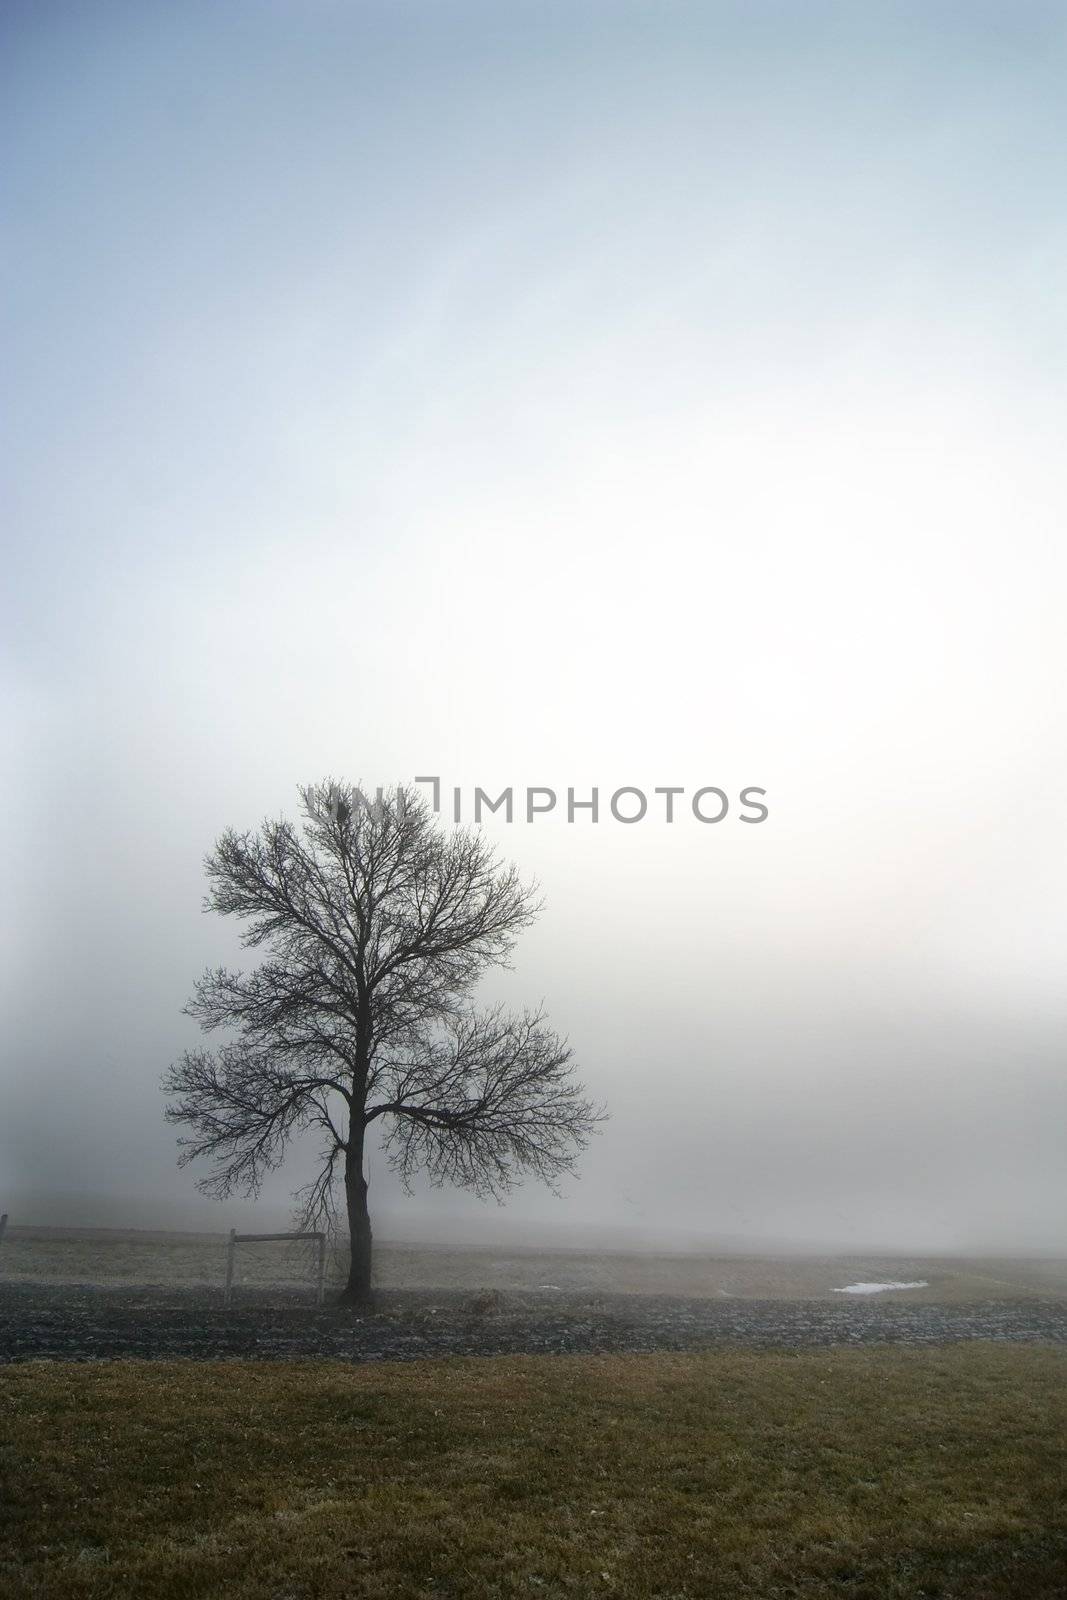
x=876 y=1288
x=548 y=1286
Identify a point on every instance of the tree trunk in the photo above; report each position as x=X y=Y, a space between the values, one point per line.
x=357 y=1290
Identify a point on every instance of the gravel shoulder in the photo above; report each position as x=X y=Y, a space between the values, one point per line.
x=94 y=1322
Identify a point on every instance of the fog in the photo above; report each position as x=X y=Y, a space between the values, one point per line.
x=572 y=397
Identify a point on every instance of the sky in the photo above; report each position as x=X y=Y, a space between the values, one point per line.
x=573 y=395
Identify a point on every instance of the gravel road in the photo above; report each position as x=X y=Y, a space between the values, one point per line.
x=88 y=1322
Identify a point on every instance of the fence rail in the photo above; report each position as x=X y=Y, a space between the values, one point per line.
x=273 y=1238
x=253 y=1238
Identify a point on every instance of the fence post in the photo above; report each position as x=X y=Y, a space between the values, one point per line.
x=322 y=1267
x=3 y=1225
x=229 y=1264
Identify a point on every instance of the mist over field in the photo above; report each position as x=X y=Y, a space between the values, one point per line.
x=570 y=397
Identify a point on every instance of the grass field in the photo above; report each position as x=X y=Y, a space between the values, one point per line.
x=863 y=1473
x=105 y=1255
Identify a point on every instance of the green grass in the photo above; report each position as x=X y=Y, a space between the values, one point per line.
x=865 y=1473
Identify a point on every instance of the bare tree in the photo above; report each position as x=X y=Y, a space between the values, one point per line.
x=376 y=925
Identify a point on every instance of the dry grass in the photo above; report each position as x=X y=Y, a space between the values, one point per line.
x=864 y=1473
x=117 y=1256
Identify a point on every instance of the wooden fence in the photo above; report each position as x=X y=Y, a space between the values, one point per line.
x=274 y=1238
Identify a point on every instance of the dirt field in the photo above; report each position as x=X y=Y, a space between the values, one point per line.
x=71 y=1322
x=97 y=1294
